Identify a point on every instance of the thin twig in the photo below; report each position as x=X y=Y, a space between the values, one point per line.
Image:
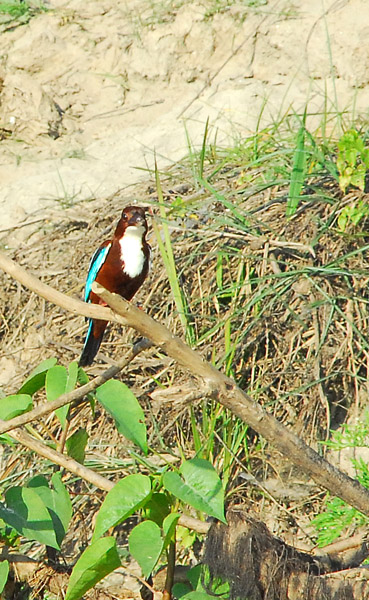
x=88 y=474
x=63 y=461
x=76 y=395
x=52 y=295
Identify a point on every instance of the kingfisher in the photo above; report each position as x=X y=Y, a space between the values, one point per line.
x=120 y=265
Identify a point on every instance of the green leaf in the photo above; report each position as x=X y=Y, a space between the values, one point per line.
x=200 y=487
x=197 y=596
x=82 y=377
x=157 y=508
x=26 y=513
x=200 y=581
x=62 y=502
x=298 y=173
x=180 y=590
x=56 y=383
x=123 y=406
x=56 y=500
x=358 y=177
x=76 y=445
x=194 y=576
x=126 y=497
x=97 y=561
x=146 y=545
x=36 y=380
x=72 y=377
x=169 y=527
x=4 y=572
x=71 y=382
x=12 y=406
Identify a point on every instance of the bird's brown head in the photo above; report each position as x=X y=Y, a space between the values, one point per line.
x=132 y=216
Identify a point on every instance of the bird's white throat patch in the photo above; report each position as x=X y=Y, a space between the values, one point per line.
x=131 y=250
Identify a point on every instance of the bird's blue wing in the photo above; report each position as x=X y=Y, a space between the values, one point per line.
x=96 y=263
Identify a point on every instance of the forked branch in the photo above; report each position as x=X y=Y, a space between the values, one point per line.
x=223 y=388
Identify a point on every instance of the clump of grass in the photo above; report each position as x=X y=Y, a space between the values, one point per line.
x=19 y=11
x=271 y=277
x=278 y=301
x=337 y=517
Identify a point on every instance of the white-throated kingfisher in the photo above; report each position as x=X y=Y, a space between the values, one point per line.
x=120 y=265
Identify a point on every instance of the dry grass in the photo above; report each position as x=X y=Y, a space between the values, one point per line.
x=279 y=304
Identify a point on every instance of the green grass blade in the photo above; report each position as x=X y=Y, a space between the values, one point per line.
x=166 y=251
x=203 y=149
x=298 y=173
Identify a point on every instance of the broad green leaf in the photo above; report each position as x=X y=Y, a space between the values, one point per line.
x=82 y=376
x=72 y=376
x=36 y=380
x=180 y=590
x=62 y=502
x=169 y=527
x=126 y=497
x=358 y=177
x=71 y=382
x=56 y=384
x=199 y=579
x=97 y=561
x=26 y=513
x=76 y=445
x=56 y=500
x=12 y=406
x=195 y=595
x=194 y=576
x=82 y=379
x=123 y=406
x=4 y=572
x=200 y=487
x=157 y=508
x=146 y=545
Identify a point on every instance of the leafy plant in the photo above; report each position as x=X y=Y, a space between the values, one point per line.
x=4 y=572
x=19 y=10
x=40 y=510
x=196 y=484
x=200 y=587
x=352 y=160
x=352 y=213
x=338 y=516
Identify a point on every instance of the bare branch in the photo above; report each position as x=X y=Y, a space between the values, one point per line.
x=62 y=460
x=52 y=295
x=241 y=404
x=224 y=389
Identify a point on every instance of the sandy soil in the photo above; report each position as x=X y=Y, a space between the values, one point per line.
x=89 y=90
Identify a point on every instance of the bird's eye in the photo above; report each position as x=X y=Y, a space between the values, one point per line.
x=124 y=216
